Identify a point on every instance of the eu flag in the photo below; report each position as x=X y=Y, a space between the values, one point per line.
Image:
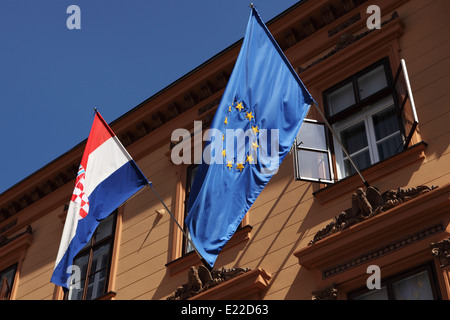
x=253 y=129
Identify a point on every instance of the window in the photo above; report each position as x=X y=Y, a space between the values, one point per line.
x=94 y=261
x=312 y=159
x=364 y=116
x=372 y=116
x=6 y=282
x=190 y=176
x=183 y=254
x=418 y=284
x=370 y=136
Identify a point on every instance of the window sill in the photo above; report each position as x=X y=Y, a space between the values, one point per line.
x=373 y=173
x=110 y=295
x=192 y=259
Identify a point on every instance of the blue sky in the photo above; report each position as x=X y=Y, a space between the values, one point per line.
x=51 y=77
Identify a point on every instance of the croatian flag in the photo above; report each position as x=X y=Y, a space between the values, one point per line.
x=106 y=178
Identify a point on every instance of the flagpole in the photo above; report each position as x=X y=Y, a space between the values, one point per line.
x=340 y=143
x=184 y=233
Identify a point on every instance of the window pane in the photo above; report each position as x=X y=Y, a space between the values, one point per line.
x=354 y=138
x=74 y=293
x=9 y=275
x=390 y=146
x=375 y=294
x=82 y=263
x=105 y=228
x=361 y=160
x=312 y=135
x=313 y=165
x=6 y=282
x=99 y=267
x=341 y=98
x=96 y=286
x=193 y=172
x=385 y=123
x=387 y=133
x=100 y=258
x=189 y=246
x=415 y=287
x=371 y=82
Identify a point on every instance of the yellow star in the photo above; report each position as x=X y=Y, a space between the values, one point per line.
x=224 y=153
x=239 y=106
x=249 y=159
x=223 y=137
x=255 y=145
x=255 y=129
x=230 y=165
x=226 y=120
x=240 y=166
x=249 y=116
x=229 y=109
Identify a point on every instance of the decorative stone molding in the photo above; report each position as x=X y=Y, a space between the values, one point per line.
x=4 y=240
x=346 y=40
x=8 y=226
x=368 y=204
x=200 y=280
x=344 y=25
x=381 y=251
x=441 y=250
x=328 y=293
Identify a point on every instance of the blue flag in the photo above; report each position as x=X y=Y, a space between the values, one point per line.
x=254 y=127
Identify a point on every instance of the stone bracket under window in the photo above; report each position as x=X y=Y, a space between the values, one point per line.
x=367 y=204
x=441 y=250
x=328 y=293
x=223 y=284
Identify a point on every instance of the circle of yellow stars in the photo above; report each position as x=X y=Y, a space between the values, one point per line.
x=254 y=145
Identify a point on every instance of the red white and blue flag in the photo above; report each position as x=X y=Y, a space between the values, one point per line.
x=106 y=178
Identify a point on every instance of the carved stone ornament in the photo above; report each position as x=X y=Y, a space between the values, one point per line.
x=329 y=293
x=441 y=250
x=200 y=280
x=368 y=204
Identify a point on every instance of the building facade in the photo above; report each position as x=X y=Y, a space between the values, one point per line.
x=317 y=231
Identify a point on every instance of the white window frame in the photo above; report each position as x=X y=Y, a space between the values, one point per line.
x=297 y=147
x=365 y=116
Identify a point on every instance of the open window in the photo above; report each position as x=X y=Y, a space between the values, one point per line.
x=373 y=117
x=312 y=159
x=407 y=107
